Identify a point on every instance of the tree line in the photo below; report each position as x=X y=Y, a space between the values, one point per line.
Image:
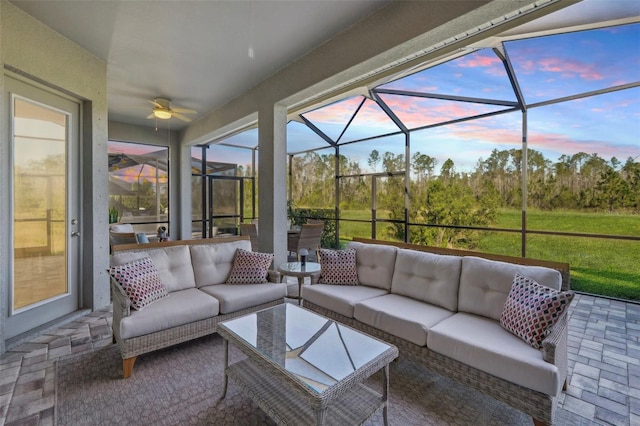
x=442 y=195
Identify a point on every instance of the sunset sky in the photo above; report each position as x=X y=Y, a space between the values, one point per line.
x=546 y=68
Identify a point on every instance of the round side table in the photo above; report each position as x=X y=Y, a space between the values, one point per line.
x=297 y=269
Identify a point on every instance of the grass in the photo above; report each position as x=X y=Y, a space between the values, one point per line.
x=599 y=266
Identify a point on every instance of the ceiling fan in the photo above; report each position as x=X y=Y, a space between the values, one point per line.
x=162 y=110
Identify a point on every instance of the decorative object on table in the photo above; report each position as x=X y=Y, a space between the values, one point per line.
x=114 y=215
x=303 y=256
x=163 y=235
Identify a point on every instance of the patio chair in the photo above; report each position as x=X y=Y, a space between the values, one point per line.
x=251 y=229
x=308 y=238
x=123 y=233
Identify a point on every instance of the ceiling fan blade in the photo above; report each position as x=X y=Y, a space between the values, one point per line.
x=154 y=103
x=151 y=115
x=180 y=116
x=184 y=110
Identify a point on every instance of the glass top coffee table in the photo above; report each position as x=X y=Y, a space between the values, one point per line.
x=303 y=368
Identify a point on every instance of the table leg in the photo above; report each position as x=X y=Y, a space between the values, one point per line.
x=320 y=415
x=300 y=282
x=385 y=395
x=225 y=346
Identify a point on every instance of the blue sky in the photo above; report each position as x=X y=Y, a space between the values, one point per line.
x=548 y=67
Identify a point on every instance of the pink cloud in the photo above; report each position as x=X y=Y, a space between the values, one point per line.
x=492 y=64
x=417 y=113
x=474 y=61
x=570 y=68
x=564 y=144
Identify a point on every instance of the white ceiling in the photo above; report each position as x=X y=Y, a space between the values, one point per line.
x=195 y=53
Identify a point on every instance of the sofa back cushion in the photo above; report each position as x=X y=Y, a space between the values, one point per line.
x=374 y=263
x=212 y=263
x=485 y=284
x=173 y=265
x=427 y=277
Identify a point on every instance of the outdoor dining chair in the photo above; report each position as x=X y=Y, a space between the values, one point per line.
x=308 y=238
x=251 y=229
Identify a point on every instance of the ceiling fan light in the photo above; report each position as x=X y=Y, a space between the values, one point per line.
x=162 y=114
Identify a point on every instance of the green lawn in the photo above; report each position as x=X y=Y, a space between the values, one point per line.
x=599 y=266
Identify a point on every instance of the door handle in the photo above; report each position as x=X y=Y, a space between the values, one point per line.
x=75 y=234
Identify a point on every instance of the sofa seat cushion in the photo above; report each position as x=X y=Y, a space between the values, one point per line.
x=178 y=308
x=428 y=277
x=483 y=344
x=485 y=284
x=173 y=265
x=212 y=263
x=234 y=297
x=340 y=298
x=401 y=316
x=374 y=263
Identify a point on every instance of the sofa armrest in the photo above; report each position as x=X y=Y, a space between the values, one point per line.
x=315 y=278
x=273 y=276
x=121 y=303
x=554 y=342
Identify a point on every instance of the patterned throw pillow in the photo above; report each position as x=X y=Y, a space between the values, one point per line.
x=531 y=309
x=140 y=281
x=338 y=267
x=250 y=267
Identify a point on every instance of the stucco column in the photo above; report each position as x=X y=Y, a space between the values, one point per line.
x=272 y=181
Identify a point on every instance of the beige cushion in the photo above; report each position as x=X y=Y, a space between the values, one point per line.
x=121 y=227
x=375 y=264
x=173 y=265
x=234 y=297
x=483 y=344
x=212 y=263
x=485 y=284
x=178 y=308
x=340 y=298
x=427 y=277
x=400 y=316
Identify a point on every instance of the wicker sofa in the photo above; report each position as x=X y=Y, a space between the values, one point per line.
x=442 y=308
x=194 y=273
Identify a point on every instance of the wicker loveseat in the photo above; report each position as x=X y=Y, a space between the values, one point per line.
x=442 y=308
x=194 y=273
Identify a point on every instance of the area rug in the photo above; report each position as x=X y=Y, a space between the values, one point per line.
x=181 y=385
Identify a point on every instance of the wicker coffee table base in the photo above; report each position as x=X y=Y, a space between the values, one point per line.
x=285 y=406
x=282 y=398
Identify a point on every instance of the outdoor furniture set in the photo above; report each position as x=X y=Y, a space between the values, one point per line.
x=450 y=311
x=454 y=311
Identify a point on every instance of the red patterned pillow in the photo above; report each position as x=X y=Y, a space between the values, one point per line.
x=140 y=281
x=250 y=267
x=338 y=267
x=531 y=309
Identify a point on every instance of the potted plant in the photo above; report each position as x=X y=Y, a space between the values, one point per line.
x=114 y=215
